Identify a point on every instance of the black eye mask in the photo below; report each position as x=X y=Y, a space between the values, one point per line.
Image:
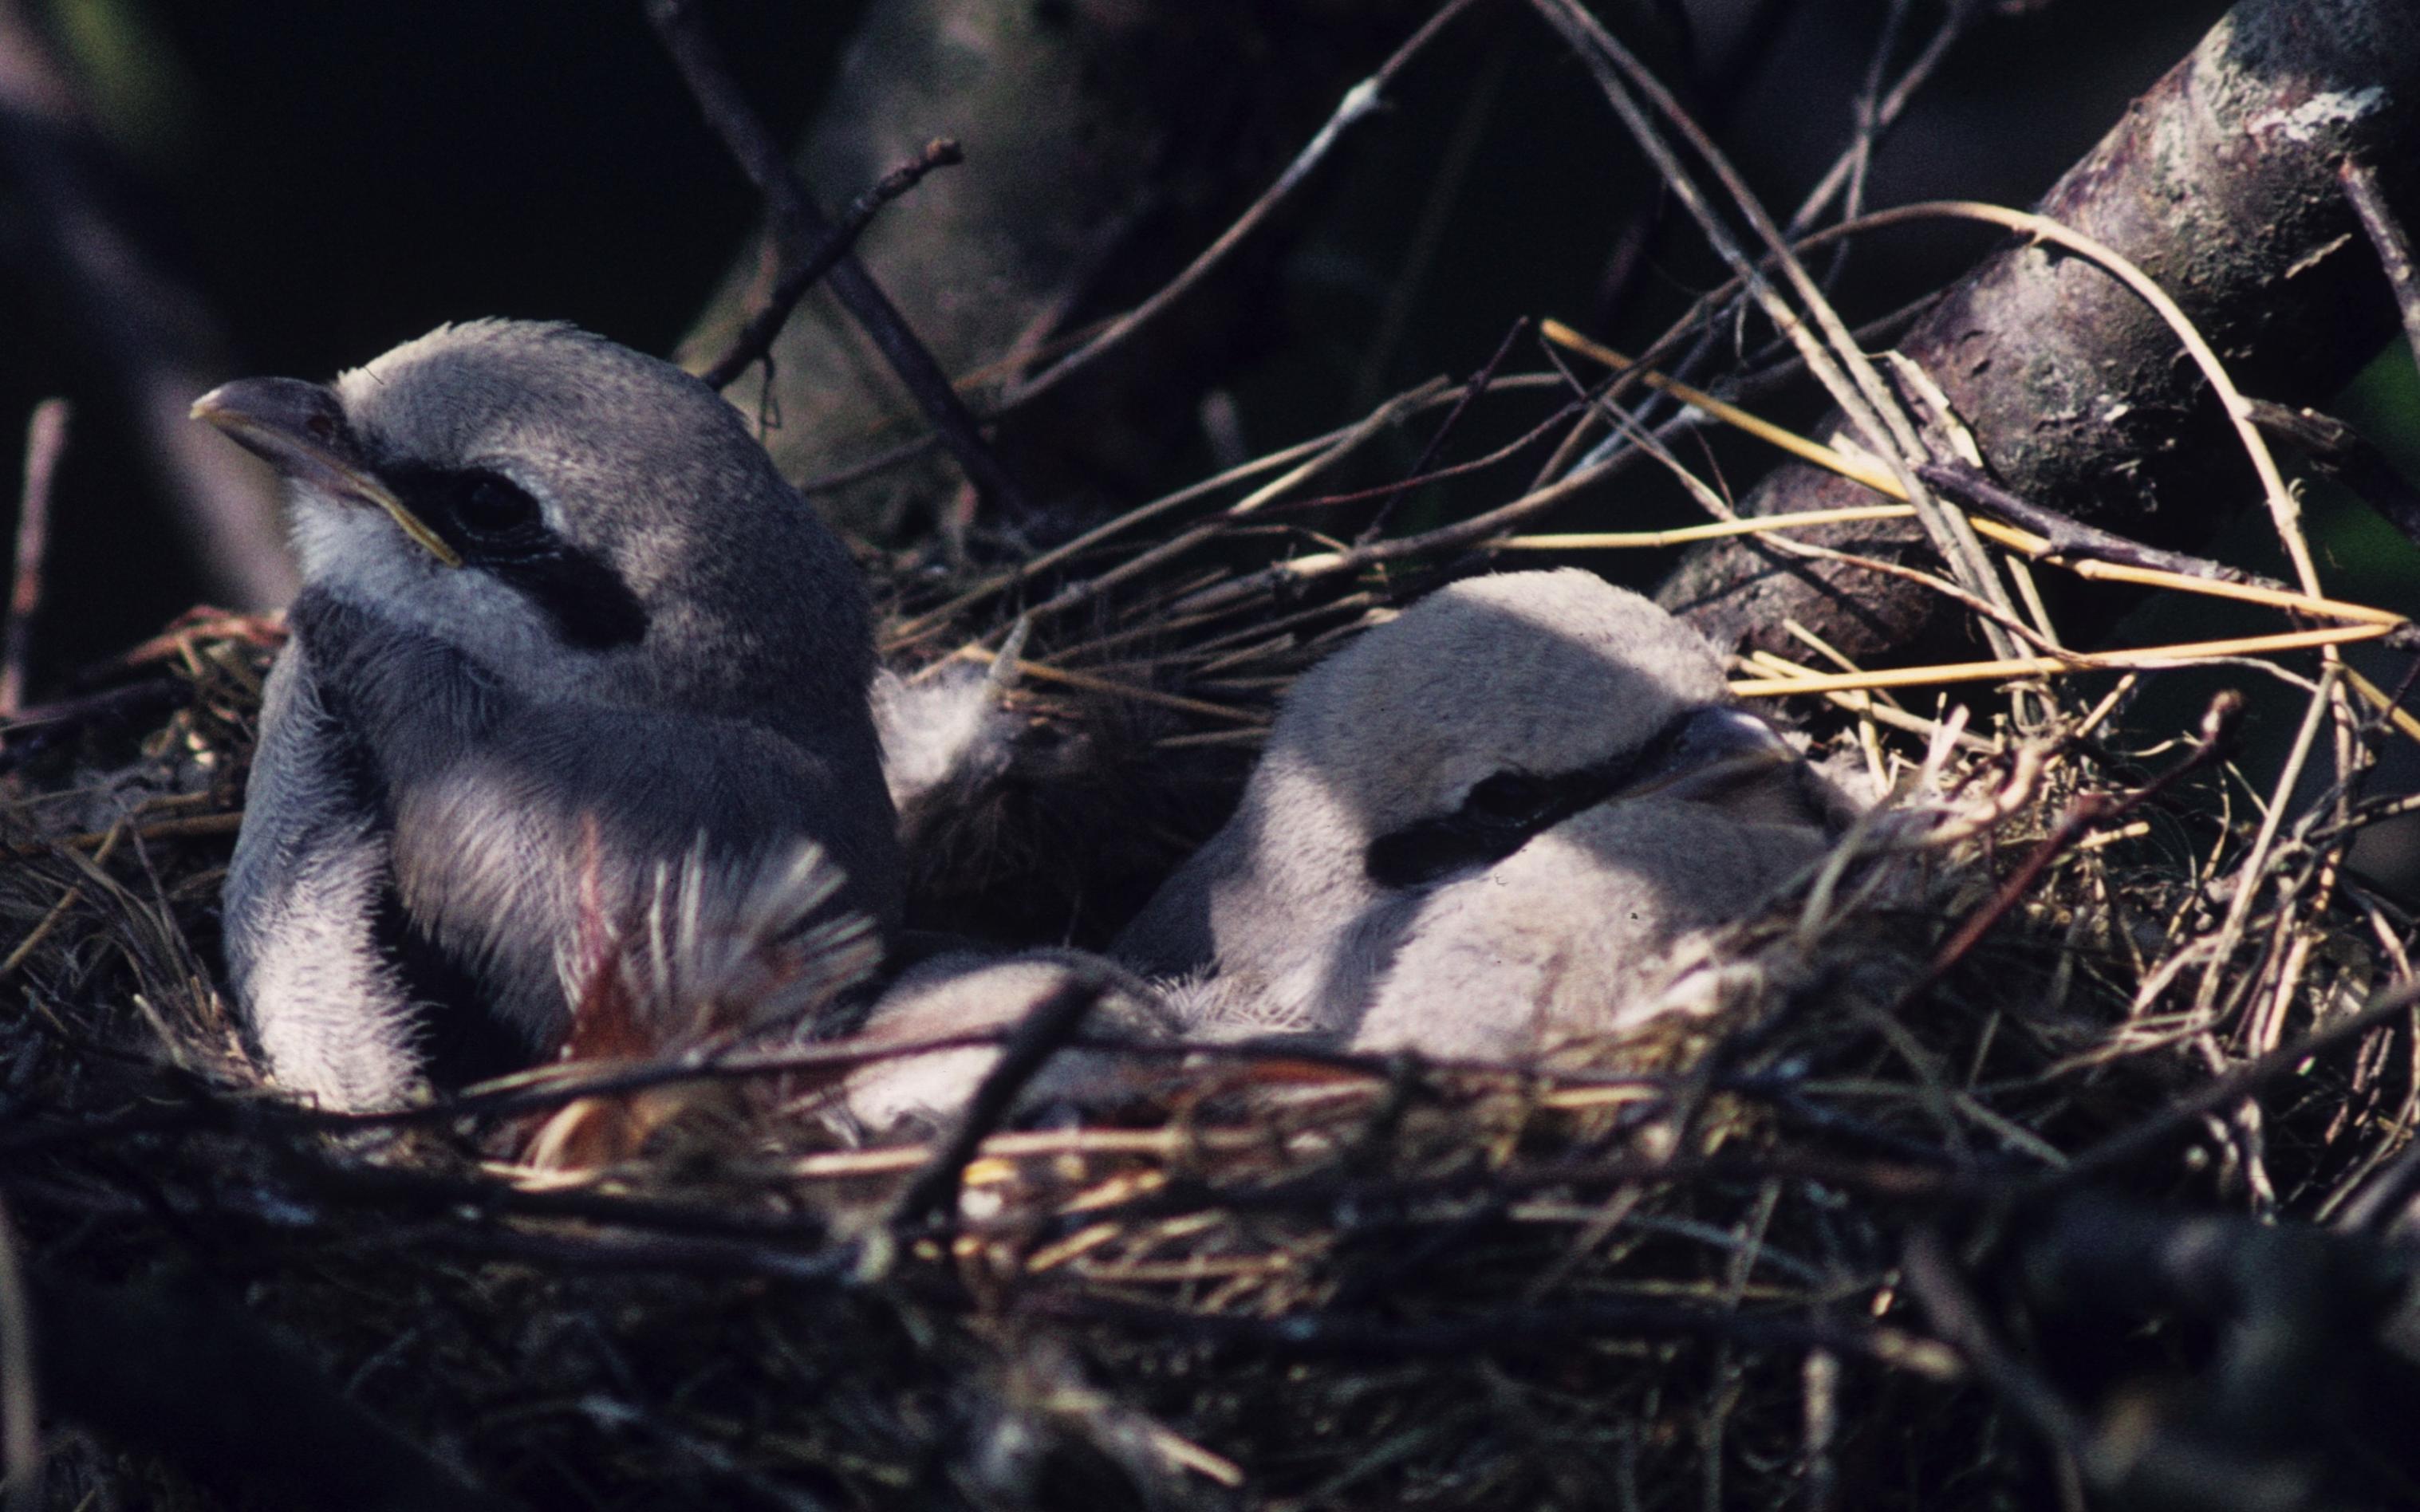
x=1501 y=814
x=500 y=530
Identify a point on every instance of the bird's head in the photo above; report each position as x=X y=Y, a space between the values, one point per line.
x=1495 y=709
x=580 y=519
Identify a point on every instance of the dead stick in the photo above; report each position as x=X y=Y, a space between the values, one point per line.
x=2345 y=454
x=46 y=438
x=755 y=339
x=797 y=227
x=2070 y=537
x=2130 y=1145
x=1360 y=101
x=1477 y=386
x=2218 y=724
x=1048 y=1027
x=1958 y=1320
x=2387 y=235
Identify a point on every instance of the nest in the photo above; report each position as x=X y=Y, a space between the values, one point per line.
x=1788 y=1251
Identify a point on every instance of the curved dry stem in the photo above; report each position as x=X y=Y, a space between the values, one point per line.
x=1835 y=359
x=2282 y=507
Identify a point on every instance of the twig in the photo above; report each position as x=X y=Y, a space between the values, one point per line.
x=1033 y=567
x=2067 y=536
x=1043 y=672
x=756 y=337
x=2283 y=512
x=44 y=725
x=1882 y=115
x=46 y=438
x=1421 y=480
x=1359 y=102
x=1048 y=1027
x=2182 y=653
x=2086 y=550
x=2387 y=235
x=799 y=229
x=195 y=824
x=1391 y=413
x=2344 y=454
x=1477 y=386
x=1311 y=568
x=1933 y=1278
x=2253 y=873
x=1711 y=530
x=2125 y=1147
x=1832 y=357
x=2090 y=811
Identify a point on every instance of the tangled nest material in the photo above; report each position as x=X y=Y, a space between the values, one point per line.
x=1776 y=1256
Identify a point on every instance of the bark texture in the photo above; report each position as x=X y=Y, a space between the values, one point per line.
x=2221 y=183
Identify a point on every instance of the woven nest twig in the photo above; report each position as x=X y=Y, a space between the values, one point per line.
x=1283 y=1274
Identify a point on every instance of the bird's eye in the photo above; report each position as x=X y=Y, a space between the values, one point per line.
x=1507 y=798
x=489 y=505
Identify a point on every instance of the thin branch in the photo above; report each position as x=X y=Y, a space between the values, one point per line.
x=1958 y=1319
x=1359 y=102
x=1477 y=386
x=2183 y=653
x=2345 y=454
x=755 y=339
x=1045 y=1029
x=38 y=729
x=2283 y=509
x=1878 y=119
x=799 y=229
x=2070 y=538
x=2217 y=1096
x=2086 y=550
x=2091 y=811
x=2386 y=234
x=1504 y=1330
x=46 y=438
x=1387 y=416
x=1833 y=357
x=1301 y=570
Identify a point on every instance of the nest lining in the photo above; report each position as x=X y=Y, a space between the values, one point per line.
x=1664 y=1271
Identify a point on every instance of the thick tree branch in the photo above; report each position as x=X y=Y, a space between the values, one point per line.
x=2222 y=184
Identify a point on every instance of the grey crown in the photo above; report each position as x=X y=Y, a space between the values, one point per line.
x=563 y=629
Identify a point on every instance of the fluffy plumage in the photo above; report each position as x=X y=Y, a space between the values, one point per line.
x=1483 y=822
x=651 y=647
x=963 y=993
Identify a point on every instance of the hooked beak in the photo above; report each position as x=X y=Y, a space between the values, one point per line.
x=300 y=430
x=1713 y=751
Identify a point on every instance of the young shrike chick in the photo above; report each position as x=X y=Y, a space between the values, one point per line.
x=564 y=630
x=1481 y=827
